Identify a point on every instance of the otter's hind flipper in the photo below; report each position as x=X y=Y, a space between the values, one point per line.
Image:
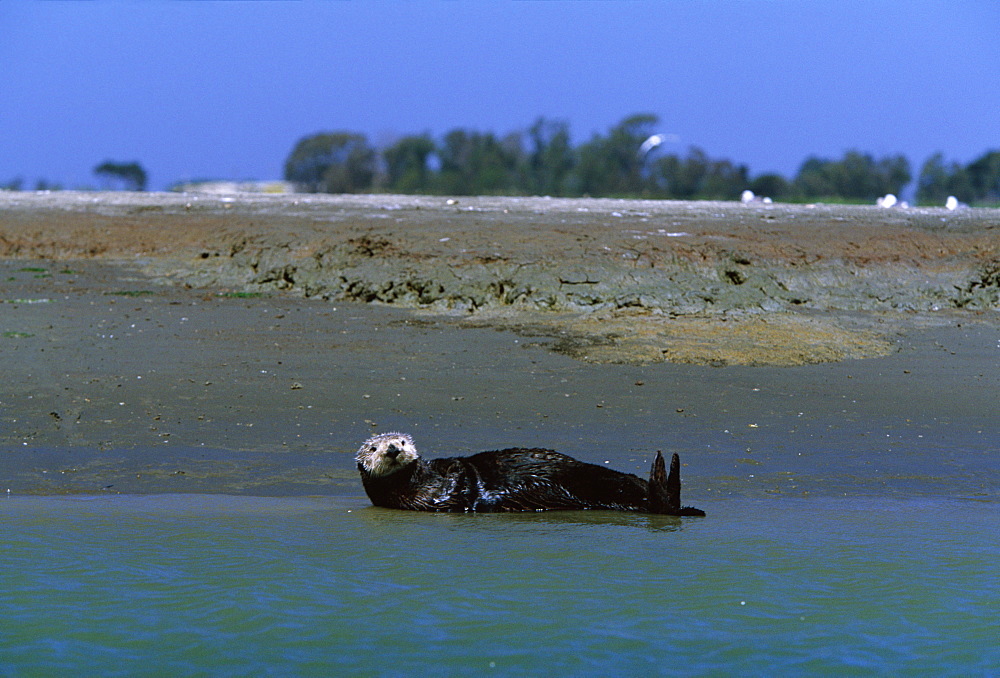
x=665 y=490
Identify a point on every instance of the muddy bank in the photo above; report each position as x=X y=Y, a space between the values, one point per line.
x=629 y=281
x=116 y=384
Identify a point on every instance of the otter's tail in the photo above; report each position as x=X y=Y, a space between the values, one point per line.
x=665 y=491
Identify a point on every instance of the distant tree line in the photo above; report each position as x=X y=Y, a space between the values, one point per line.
x=627 y=161
x=17 y=184
x=977 y=182
x=129 y=176
x=115 y=176
x=542 y=161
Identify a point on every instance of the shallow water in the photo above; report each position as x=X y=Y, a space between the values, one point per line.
x=852 y=507
x=222 y=585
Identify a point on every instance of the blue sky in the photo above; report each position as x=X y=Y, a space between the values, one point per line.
x=225 y=89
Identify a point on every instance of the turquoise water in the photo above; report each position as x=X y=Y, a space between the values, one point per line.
x=222 y=585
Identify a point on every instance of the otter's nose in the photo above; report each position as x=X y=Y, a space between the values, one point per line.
x=392 y=452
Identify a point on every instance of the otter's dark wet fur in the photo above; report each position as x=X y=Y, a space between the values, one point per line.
x=516 y=479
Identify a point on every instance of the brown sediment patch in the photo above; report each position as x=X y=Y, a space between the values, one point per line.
x=638 y=338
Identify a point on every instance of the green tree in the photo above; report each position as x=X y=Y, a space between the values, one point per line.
x=895 y=173
x=813 y=180
x=724 y=180
x=515 y=163
x=858 y=176
x=332 y=162
x=407 y=164
x=984 y=175
x=938 y=180
x=550 y=158
x=681 y=178
x=474 y=163
x=129 y=175
x=770 y=185
x=611 y=165
x=697 y=176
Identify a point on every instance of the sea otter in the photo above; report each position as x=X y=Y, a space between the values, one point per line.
x=515 y=479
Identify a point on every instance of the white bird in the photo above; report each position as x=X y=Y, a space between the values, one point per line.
x=649 y=144
x=747 y=197
x=886 y=201
x=654 y=141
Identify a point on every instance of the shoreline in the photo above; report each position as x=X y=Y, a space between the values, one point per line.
x=628 y=281
x=139 y=362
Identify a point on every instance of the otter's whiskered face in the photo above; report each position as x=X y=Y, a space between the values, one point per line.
x=387 y=453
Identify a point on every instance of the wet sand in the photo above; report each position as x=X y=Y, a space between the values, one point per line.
x=142 y=362
x=620 y=281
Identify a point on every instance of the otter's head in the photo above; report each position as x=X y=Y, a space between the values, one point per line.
x=386 y=453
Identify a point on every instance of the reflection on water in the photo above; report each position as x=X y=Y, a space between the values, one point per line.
x=242 y=585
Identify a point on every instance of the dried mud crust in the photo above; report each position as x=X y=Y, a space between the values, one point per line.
x=612 y=280
x=781 y=339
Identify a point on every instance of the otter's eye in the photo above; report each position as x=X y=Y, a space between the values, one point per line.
x=371 y=449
